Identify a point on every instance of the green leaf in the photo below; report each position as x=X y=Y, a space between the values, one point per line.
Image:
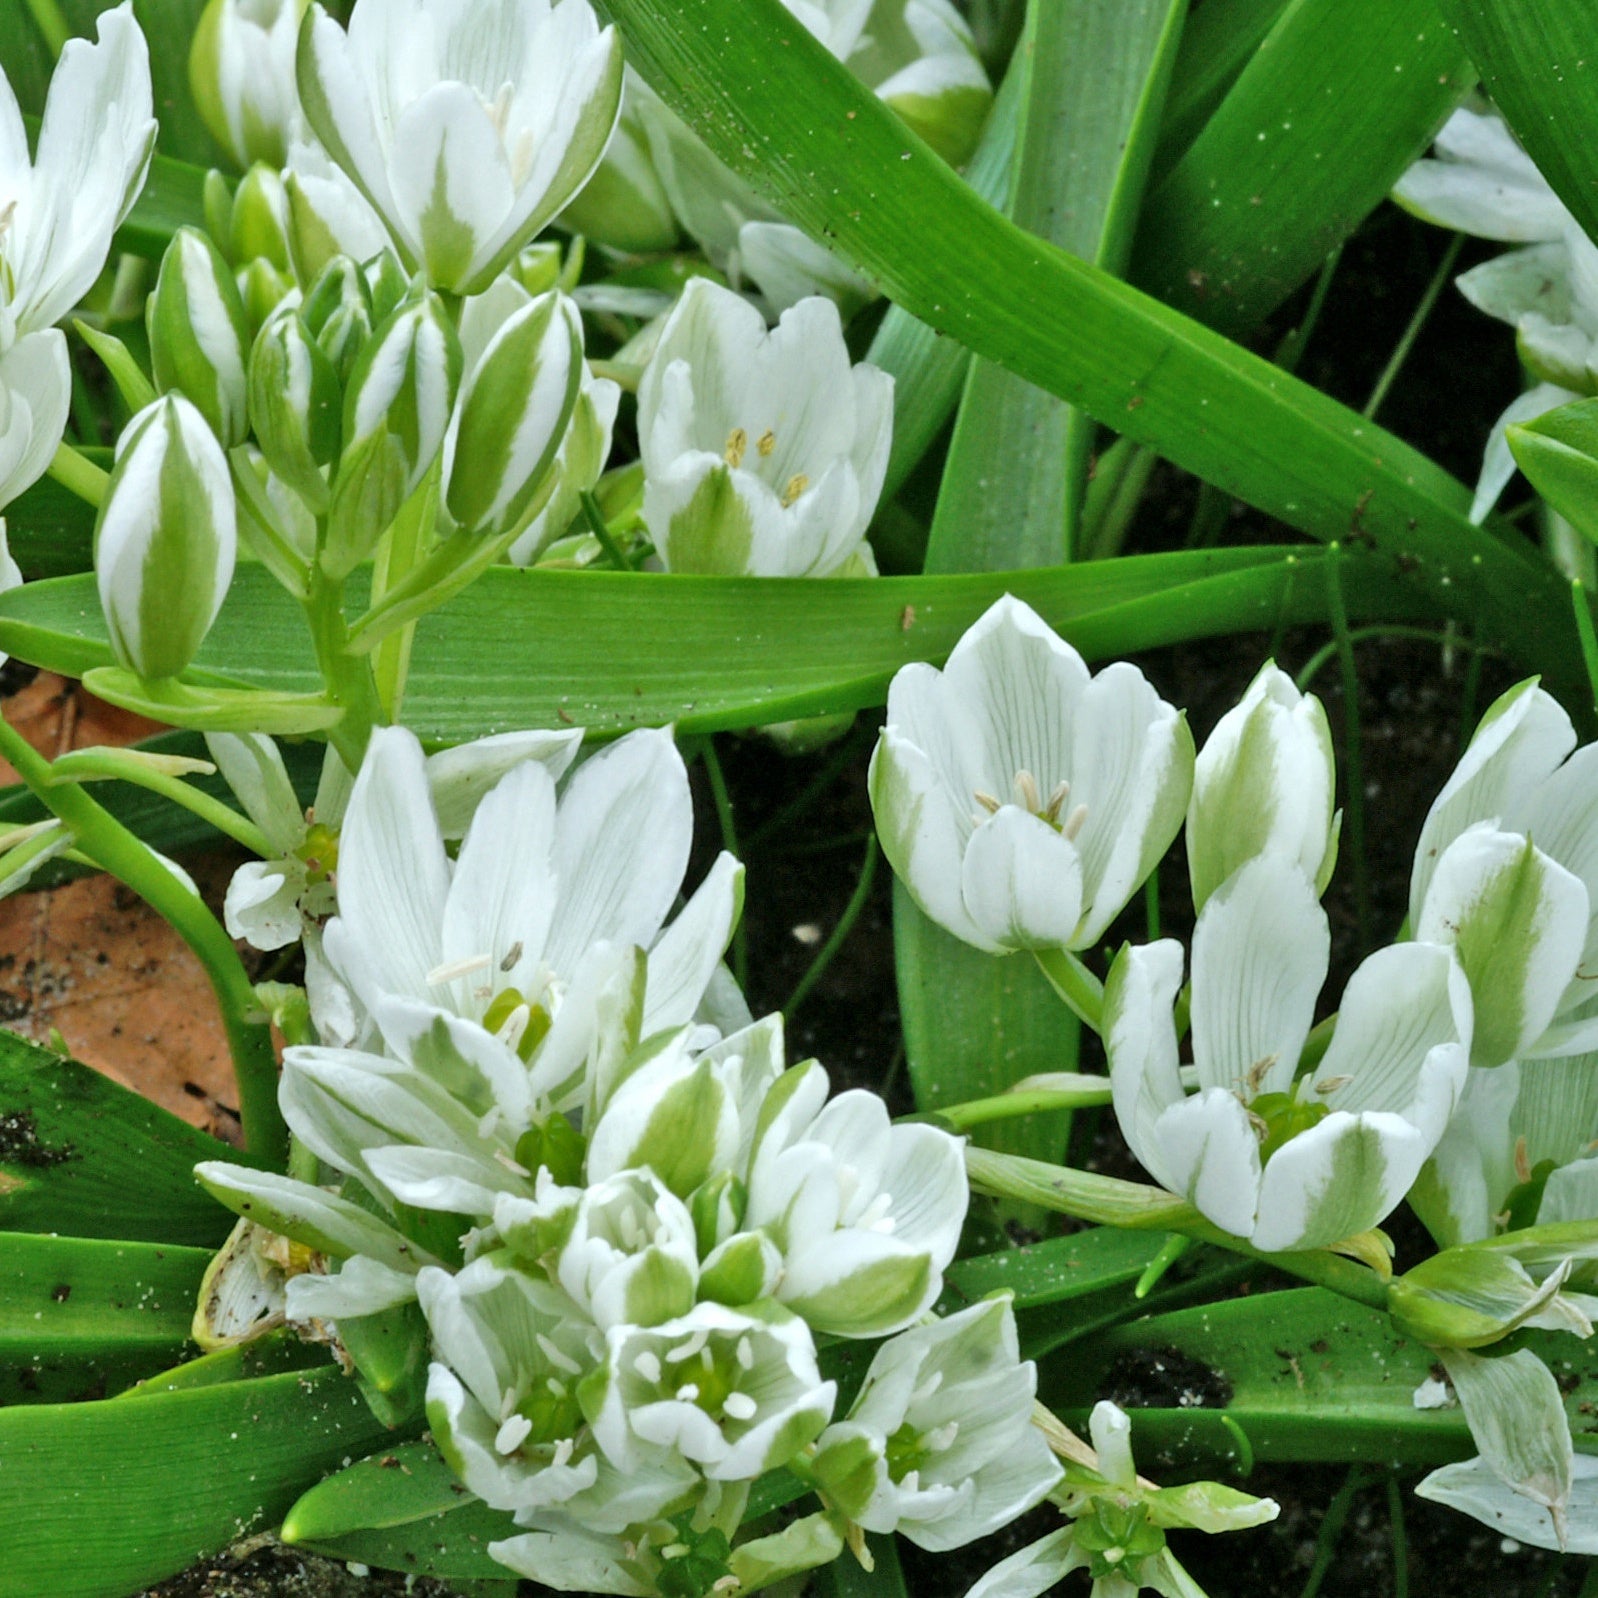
x=50 y=530
x=1537 y=63
x=270 y=1354
x=1558 y=452
x=1053 y=1272
x=1094 y=79
x=173 y=196
x=82 y=1156
x=1217 y=42
x=451 y=1546
x=974 y=1025
x=1307 y=1375
x=1282 y=171
x=773 y=104
x=406 y=1483
x=845 y=1577
x=615 y=650
x=105 y=1498
x=82 y=1317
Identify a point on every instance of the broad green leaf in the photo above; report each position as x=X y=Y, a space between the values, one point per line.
x=1094 y=77
x=84 y=1157
x=1283 y=170
x=81 y=1317
x=50 y=530
x=452 y=1546
x=406 y=1483
x=270 y=1354
x=848 y=1578
x=1307 y=1376
x=840 y=164
x=614 y=650
x=173 y=197
x=928 y=371
x=974 y=1025
x=1219 y=38
x=1536 y=61
x=104 y=1498
x=1055 y=1271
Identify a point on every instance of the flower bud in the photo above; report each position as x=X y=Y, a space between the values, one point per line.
x=516 y=404
x=1263 y=781
x=397 y=406
x=294 y=405
x=338 y=312
x=241 y=71
x=258 y=220
x=198 y=333
x=165 y=539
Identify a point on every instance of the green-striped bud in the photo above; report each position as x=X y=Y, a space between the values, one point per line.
x=515 y=407
x=295 y=405
x=338 y=311
x=165 y=539
x=258 y=221
x=397 y=407
x=198 y=333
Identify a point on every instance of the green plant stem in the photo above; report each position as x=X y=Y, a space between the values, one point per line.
x=1317 y=662
x=851 y=914
x=348 y=677
x=128 y=767
x=722 y=800
x=1395 y=361
x=1332 y=1529
x=1589 y=643
x=1083 y=1092
x=116 y=850
x=1399 y=1535
x=79 y=475
x=1291 y=350
x=600 y=528
x=48 y=19
x=1108 y=1201
x=1072 y=980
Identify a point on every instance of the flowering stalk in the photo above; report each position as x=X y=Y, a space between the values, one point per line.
x=1108 y=1201
x=116 y=850
x=348 y=677
x=79 y=475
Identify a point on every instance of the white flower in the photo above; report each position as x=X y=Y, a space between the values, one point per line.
x=35 y=394
x=468 y=124
x=166 y=538
x=499 y=934
x=940 y=1445
x=94 y=147
x=1483 y=183
x=764 y=453
x=866 y=1214
x=736 y=1393
x=1287 y=1162
x=631 y=1255
x=327 y=214
x=1507 y=867
x=1021 y=801
x=502 y=1401
x=1264 y=781
x=241 y=69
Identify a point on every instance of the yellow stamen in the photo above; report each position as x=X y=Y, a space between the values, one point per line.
x=796 y=485
x=766 y=443
x=737 y=443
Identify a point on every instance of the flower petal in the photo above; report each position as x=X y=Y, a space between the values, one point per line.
x=1022 y=882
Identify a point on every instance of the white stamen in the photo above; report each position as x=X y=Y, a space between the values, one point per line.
x=1072 y=824
x=687 y=1350
x=515 y=1027
x=564 y=1450
x=740 y=1406
x=557 y=1387
x=939 y=1441
x=451 y=969
x=688 y=1392
x=510 y=1165
x=746 y=1354
x=925 y=1391
x=647 y=1366
x=512 y=1434
x=1026 y=792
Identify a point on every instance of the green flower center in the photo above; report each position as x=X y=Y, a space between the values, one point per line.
x=320 y=854
x=529 y=1023
x=1278 y=1118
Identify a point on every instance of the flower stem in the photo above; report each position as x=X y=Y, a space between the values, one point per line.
x=79 y=475
x=1108 y=1201
x=348 y=676
x=131 y=861
x=1073 y=1093
x=1074 y=983
x=851 y=914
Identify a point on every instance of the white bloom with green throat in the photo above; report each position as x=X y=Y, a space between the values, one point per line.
x=939 y=1445
x=1284 y=1159
x=543 y=888
x=511 y=1351
x=1021 y=800
x=467 y=126
x=1264 y=781
x=94 y=147
x=1507 y=870
x=764 y=452
x=737 y=1393
x=866 y=1215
